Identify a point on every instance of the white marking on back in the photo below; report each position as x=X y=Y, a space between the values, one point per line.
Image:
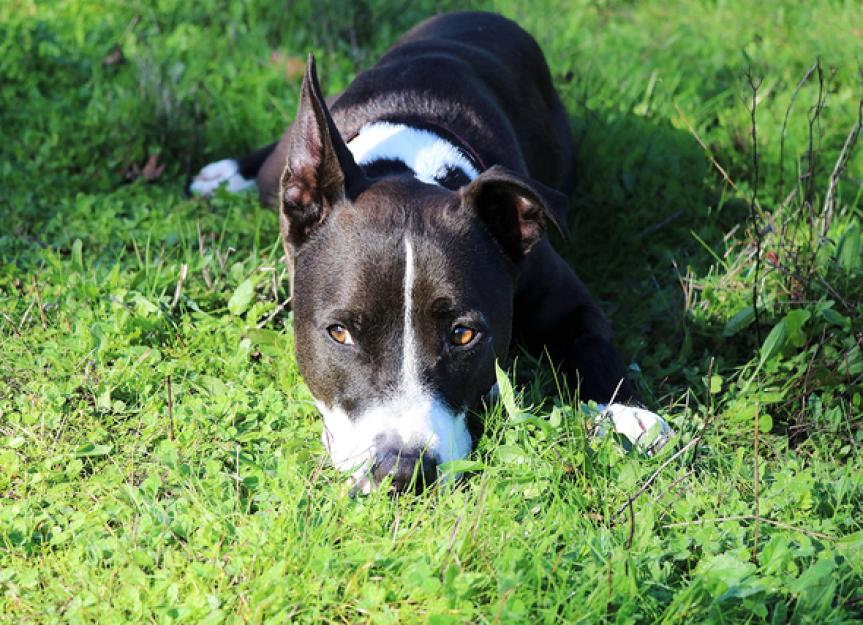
x=412 y=418
x=430 y=156
x=225 y=172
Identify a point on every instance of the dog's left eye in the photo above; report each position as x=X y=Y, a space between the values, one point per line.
x=460 y=335
x=340 y=334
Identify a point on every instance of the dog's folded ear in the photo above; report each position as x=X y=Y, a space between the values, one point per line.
x=320 y=171
x=515 y=209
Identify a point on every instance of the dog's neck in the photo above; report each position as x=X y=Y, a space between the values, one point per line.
x=384 y=147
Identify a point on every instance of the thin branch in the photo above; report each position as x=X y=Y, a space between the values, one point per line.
x=204 y=271
x=11 y=323
x=652 y=478
x=838 y=169
x=170 y=410
x=631 y=534
x=754 y=85
x=756 y=488
x=800 y=84
x=184 y=269
x=273 y=314
x=814 y=116
x=39 y=304
x=708 y=418
x=706 y=149
x=750 y=517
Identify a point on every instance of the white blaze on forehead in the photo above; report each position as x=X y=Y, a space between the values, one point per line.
x=430 y=156
x=412 y=418
x=410 y=375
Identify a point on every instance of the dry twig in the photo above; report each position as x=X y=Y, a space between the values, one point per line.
x=652 y=478
x=756 y=489
x=840 y=166
x=754 y=85
x=750 y=517
x=184 y=269
x=170 y=410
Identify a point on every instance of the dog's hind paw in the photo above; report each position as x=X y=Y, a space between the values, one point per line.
x=225 y=172
x=643 y=428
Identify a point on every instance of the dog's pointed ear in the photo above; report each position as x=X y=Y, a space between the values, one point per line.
x=320 y=171
x=515 y=209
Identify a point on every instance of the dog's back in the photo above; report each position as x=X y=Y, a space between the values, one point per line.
x=430 y=77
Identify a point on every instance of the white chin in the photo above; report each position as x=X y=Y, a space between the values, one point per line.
x=417 y=422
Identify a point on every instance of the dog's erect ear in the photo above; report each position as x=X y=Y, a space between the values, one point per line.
x=320 y=171
x=515 y=209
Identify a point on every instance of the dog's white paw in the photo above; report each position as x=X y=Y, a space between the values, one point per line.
x=643 y=428
x=225 y=172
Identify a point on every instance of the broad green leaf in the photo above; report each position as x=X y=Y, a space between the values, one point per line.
x=724 y=571
x=461 y=466
x=836 y=318
x=507 y=395
x=242 y=297
x=819 y=572
x=103 y=400
x=78 y=255
x=542 y=424
x=143 y=306
x=510 y=454
x=715 y=384
x=739 y=321
x=794 y=322
x=775 y=341
x=849 y=252
x=90 y=451
x=213 y=385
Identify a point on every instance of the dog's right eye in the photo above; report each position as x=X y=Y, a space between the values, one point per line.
x=462 y=336
x=340 y=334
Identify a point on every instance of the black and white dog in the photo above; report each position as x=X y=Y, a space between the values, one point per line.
x=413 y=208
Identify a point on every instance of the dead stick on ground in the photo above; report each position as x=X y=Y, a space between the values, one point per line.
x=273 y=314
x=631 y=534
x=754 y=85
x=170 y=410
x=838 y=169
x=653 y=477
x=204 y=271
x=706 y=149
x=39 y=304
x=184 y=269
x=757 y=501
x=709 y=409
x=750 y=517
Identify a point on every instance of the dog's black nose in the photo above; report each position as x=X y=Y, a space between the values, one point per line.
x=411 y=469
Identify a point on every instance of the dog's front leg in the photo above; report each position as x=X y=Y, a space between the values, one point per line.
x=554 y=313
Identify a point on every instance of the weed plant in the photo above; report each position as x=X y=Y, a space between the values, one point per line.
x=160 y=457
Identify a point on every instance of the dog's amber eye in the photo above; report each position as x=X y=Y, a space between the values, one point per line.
x=462 y=335
x=340 y=334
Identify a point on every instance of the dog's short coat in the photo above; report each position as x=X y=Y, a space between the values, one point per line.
x=413 y=208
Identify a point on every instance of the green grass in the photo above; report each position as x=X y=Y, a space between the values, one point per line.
x=118 y=508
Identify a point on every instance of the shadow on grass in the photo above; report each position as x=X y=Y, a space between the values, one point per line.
x=644 y=195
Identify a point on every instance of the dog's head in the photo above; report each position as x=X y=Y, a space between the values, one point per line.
x=402 y=297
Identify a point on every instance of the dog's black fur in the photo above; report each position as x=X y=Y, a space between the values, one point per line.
x=483 y=258
x=484 y=80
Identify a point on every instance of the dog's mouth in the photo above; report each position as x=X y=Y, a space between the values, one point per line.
x=401 y=442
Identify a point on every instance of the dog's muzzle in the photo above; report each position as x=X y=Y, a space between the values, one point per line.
x=411 y=470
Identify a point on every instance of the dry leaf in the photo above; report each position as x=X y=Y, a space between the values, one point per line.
x=115 y=57
x=151 y=170
x=292 y=66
